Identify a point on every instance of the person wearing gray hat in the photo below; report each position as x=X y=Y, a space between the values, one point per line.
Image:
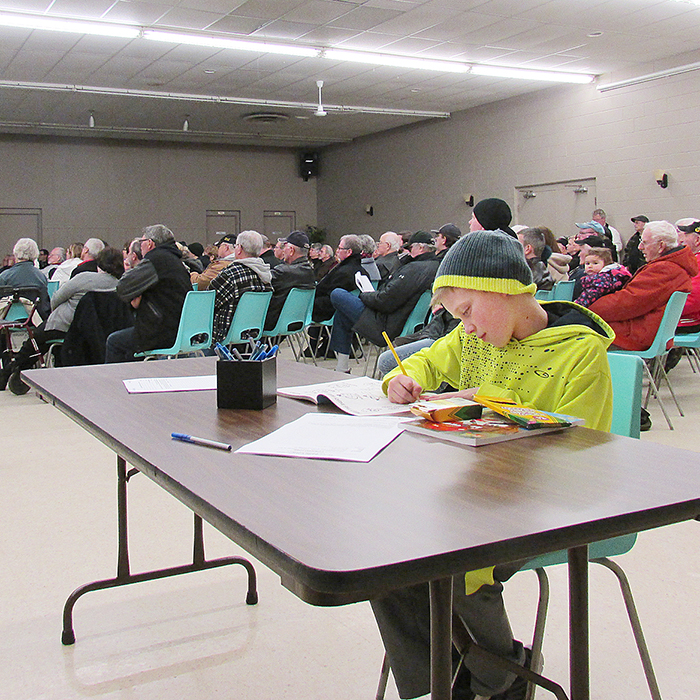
x=295 y=270
x=445 y=237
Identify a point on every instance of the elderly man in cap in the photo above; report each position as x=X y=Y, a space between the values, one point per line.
x=295 y=270
x=227 y=247
x=388 y=308
x=445 y=237
x=632 y=257
x=491 y=215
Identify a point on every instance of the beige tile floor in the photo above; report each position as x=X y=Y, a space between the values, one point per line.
x=193 y=636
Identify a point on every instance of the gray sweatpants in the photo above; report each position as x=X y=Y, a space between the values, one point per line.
x=403 y=617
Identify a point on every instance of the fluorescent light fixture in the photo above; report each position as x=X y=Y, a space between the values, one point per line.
x=236 y=44
x=69 y=25
x=679 y=70
x=385 y=59
x=531 y=74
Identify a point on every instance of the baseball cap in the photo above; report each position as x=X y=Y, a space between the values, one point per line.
x=641 y=217
x=594 y=225
x=690 y=228
x=593 y=242
x=421 y=237
x=449 y=231
x=298 y=239
x=229 y=238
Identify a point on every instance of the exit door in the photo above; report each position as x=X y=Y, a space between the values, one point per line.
x=279 y=223
x=222 y=222
x=558 y=205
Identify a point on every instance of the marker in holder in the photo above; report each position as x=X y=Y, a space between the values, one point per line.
x=248 y=384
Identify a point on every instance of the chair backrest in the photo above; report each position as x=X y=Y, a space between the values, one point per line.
x=544 y=294
x=563 y=291
x=51 y=287
x=416 y=319
x=667 y=327
x=626 y=372
x=196 y=323
x=249 y=318
x=17 y=304
x=295 y=314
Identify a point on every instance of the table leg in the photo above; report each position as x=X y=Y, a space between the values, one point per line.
x=125 y=577
x=578 y=623
x=441 y=639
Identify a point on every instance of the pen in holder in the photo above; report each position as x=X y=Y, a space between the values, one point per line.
x=249 y=384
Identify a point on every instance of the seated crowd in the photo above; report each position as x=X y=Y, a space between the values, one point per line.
x=487 y=331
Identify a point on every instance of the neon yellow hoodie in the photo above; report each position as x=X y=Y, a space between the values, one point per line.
x=563 y=368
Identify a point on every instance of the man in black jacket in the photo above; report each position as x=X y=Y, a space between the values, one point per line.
x=388 y=308
x=294 y=271
x=156 y=288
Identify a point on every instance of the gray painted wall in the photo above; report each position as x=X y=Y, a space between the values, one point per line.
x=111 y=189
x=415 y=177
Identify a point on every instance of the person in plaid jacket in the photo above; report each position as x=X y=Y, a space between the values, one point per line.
x=247 y=273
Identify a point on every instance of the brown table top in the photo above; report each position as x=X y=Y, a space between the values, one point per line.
x=421 y=509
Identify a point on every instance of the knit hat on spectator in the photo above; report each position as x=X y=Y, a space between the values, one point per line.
x=487 y=261
x=494 y=214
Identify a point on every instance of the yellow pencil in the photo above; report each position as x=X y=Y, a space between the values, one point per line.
x=394 y=353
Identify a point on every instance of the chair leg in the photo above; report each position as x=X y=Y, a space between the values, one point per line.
x=663 y=374
x=635 y=623
x=655 y=392
x=383 y=679
x=536 y=663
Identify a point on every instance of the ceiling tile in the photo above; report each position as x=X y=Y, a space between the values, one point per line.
x=367 y=41
x=318 y=11
x=25 y=5
x=187 y=19
x=410 y=46
x=144 y=13
x=222 y=6
x=237 y=24
x=79 y=8
x=462 y=25
x=266 y=9
x=327 y=36
x=280 y=29
x=364 y=18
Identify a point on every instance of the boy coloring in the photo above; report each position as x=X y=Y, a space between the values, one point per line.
x=602 y=277
x=550 y=356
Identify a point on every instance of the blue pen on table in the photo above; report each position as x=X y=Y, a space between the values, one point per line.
x=271 y=352
x=182 y=437
x=260 y=353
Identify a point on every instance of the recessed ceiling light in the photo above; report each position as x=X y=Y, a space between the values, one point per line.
x=593 y=35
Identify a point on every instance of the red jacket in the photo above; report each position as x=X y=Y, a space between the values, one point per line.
x=635 y=312
x=691 y=311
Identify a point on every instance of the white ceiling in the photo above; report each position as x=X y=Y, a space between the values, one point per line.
x=548 y=34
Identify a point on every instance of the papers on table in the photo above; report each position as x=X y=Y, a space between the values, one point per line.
x=361 y=396
x=329 y=436
x=154 y=385
x=363 y=282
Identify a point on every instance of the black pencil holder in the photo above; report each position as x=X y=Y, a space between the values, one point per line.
x=249 y=384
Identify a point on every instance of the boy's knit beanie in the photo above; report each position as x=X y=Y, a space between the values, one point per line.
x=493 y=214
x=488 y=261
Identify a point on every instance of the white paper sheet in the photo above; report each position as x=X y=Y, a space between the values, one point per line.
x=329 y=436
x=363 y=282
x=154 y=385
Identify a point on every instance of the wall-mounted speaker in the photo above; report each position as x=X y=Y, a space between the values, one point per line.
x=308 y=165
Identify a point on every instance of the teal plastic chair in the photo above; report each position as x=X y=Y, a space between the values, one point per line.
x=195 y=330
x=51 y=287
x=627 y=373
x=561 y=291
x=249 y=318
x=663 y=342
x=690 y=342
x=415 y=321
x=294 y=318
